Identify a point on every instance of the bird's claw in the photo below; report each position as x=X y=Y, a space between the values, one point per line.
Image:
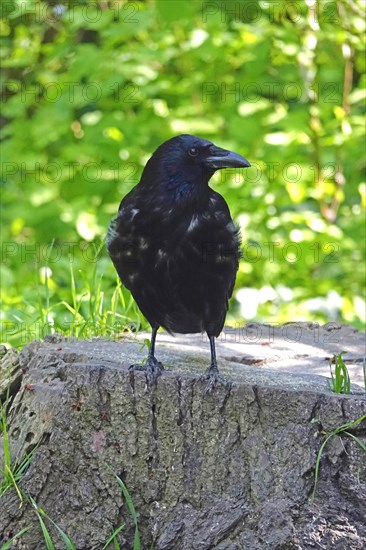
x=152 y=369
x=213 y=377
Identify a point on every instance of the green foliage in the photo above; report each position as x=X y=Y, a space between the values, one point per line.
x=340 y=380
x=132 y=511
x=8 y=545
x=113 y=538
x=11 y=471
x=40 y=513
x=344 y=429
x=92 y=88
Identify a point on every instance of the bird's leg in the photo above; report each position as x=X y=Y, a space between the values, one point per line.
x=152 y=343
x=152 y=366
x=213 y=371
x=212 y=374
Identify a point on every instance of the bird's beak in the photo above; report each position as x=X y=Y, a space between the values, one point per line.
x=221 y=158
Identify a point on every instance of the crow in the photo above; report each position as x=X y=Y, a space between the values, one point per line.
x=174 y=244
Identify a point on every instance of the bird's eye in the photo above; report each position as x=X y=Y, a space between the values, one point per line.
x=193 y=152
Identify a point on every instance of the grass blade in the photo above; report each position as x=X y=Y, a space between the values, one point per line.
x=337 y=431
x=46 y=535
x=14 y=483
x=357 y=440
x=317 y=463
x=10 y=542
x=340 y=381
x=6 y=444
x=132 y=511
x=128 y=499
x=113 y=538
x=68 y=542
x=50 y=546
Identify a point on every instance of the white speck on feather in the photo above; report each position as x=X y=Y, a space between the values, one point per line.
x=143 y=244
x=193 y=223
x=112 y=232
x=222 y=258
x=134 y=211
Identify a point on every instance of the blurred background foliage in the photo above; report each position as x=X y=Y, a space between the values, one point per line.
x=91 y=88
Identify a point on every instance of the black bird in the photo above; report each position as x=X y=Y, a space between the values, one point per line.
x=174 y=244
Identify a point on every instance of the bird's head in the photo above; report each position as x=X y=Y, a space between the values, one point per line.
x=184 y=164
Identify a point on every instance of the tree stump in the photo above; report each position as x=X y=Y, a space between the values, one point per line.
x=230 y=469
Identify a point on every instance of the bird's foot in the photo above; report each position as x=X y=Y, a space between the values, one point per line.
x=152 y=368
x=213 y=376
